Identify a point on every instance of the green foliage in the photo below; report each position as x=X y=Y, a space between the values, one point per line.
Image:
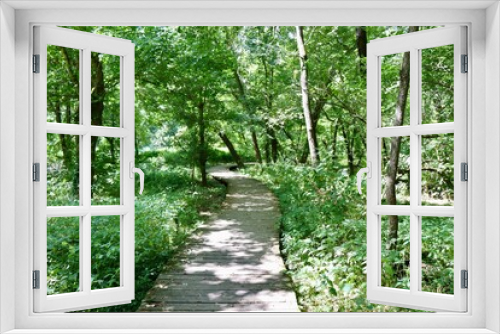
x=166 y=214
x=191 y=83
x=323 y=241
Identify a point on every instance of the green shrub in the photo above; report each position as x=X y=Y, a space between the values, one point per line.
x=165 y=215
x=323 y=240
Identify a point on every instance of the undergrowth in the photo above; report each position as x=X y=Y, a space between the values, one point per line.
x=165 y=215
x=323 y=241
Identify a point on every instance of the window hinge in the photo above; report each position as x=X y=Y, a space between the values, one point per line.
x=36 y=63
x=465 y=279
x=464 y=171
x=36 y=172
x=465 y=64
x=36 y=279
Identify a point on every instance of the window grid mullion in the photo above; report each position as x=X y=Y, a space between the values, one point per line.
x=85 y=241
x=81 y=281
x=406 y=130
x=414 y=170
x=80 y=130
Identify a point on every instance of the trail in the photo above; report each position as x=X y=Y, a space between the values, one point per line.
x=233 y=263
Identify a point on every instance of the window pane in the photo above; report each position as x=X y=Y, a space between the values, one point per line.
x=395 y=248
x=63 y=255
x=105 y=252
x=437 y=254
x=105 y=89
x=105 y=169
x=395 y=171
x=63 y=170
x=395 y=82
x=63 y=85
x=437 y=169
x=437 y=84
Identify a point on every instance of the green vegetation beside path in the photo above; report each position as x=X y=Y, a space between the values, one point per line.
x=168 y=212
x=323 y=240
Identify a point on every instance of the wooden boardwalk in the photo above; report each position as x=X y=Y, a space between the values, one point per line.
x=233 y=263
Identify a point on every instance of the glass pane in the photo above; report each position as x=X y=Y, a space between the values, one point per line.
x=437 y=169
x=437 y=254
x=63 y=170
x=63 y=255
x=105 y=96
x=63 y=85
x=395 y=89
x=105 y=169
x=105 y=252
x=395 y=183
x=395 y=257
x=437 y=84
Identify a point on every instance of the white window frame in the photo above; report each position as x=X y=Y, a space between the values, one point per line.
x=413 y=43
x=85 y=297
x=483 y=100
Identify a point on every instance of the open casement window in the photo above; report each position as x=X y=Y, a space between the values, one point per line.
x=417 y=233
x=83 y=148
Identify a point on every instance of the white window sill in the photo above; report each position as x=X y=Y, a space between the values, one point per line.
x=252 y=331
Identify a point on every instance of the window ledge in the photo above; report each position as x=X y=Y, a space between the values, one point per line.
x=251 y=331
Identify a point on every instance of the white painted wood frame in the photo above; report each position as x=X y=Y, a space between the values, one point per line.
x=415 y=297
x=86 y=43
x=16 y=251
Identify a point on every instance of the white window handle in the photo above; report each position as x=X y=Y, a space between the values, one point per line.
x=368 y=171
x=133 y=170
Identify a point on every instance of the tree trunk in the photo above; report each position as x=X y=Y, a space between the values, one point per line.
x=256 y=147
x=334 y=142
x=136 y=149
x=361 y=41
x=274 y=148
x=273 y=142
x=305 y=153
x=232 y=150
x=71 y=68
x=96 y=104
x=349 y=152
x=112 y=149
x=268 y=150
x=70 y=150
x=202 y=149
x=311 y=134
x=318 y=107
x=392 y=168
x=243 y=98
x=67 y=149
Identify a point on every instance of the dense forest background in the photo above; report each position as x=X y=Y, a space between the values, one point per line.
x=288 y=104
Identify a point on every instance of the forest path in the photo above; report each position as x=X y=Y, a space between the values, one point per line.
x=233 y=262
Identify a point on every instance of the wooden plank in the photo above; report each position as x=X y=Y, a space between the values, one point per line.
x=213 y=307
x=244 y=279
x=232 y=263
x=175 y=285
x=210 y=296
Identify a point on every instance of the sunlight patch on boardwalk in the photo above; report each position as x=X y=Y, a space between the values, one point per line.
x=233 y=262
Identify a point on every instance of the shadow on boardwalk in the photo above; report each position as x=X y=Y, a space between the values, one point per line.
x=233 y=263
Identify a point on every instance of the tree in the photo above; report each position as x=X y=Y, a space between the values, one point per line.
x=202 y=146
x=361 y=41
x=311 y=133
x=97 y=103
x=232 y=150
x=243 y=98
x=392 y=169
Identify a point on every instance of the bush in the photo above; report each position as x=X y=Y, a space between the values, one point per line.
x=166 y=214
x=323 y=240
